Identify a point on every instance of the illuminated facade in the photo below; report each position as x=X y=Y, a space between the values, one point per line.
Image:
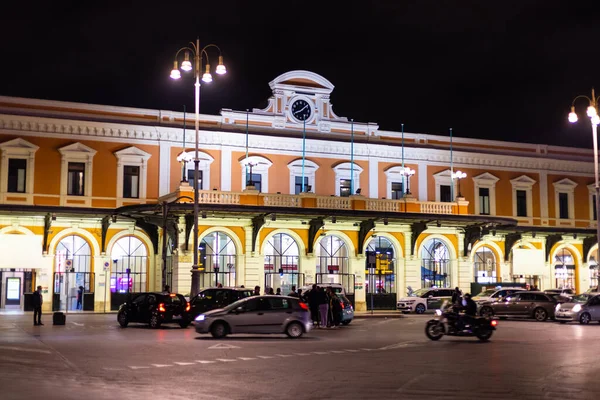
x=87 y=191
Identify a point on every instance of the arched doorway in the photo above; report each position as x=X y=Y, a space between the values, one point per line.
x=593 y=268
x=435 y=264
x=332 y=264
x=218 y=259
x=73 y=276
x=281 y=263
x=564 y=269
x=484 y=264
x=380 y=274
x=129 y=271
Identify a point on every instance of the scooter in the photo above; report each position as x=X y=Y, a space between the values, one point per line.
x=447 y=323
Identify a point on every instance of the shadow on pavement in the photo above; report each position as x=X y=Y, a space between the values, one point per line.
x=258 y=338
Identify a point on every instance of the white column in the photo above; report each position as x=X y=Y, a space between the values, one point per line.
x=422 y=174
x=373 y=178
x=164 y=168
x=226 y=169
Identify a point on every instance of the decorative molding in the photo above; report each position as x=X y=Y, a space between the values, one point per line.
x=485 y=180
x=310 y=168
x=132 y=156
x=76 y=152
x=565 y=186
x=17 y=149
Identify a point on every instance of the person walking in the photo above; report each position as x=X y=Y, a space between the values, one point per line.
x=293 y=292
x=167 y=290
x=79 y=297
x=256 y=291
x=323 y=307
x=335 y=309
x=38 y=300
x=313 y=304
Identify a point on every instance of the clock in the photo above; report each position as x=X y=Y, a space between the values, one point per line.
x=301 y=110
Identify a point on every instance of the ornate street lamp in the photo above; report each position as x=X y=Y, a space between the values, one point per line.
x=458 y=175
x=592 y=113
x=408 y=172
x=199 y=56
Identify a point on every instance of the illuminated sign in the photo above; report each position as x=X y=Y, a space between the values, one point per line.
x=13 y=288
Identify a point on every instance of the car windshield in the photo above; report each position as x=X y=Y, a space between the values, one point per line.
x=486 y=293
x=582 y=298
x=419 y=293
x=234 y=305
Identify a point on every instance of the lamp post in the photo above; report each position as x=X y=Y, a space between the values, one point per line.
x=592 y=113
x=458 y=175
x=408 y=172
x=198 y=54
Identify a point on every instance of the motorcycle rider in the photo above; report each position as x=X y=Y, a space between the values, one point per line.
x=470 y=312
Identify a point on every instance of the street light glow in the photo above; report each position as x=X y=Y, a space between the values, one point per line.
x=572 y=115
x=459 y=175
x=221 y=70
x=175 y=74
x=207 y=77
x=591 y=111
x=186 y=65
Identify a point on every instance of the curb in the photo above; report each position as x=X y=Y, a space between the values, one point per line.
x=367 y=316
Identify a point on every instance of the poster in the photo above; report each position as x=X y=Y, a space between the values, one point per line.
x=13 y=288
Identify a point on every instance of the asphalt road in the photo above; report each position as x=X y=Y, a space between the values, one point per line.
x=92 y=358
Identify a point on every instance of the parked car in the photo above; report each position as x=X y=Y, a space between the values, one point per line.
x=155 y=309
x=561 y=292
x=525 y=304
x=583 y=308
x=495 y=293
x=424 y=299
x=347 y=309
x=337 y=287
x=257 y=314
x=213 y=298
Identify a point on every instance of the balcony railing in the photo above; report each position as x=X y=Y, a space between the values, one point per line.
x=281 y=200
x=342 y=203
x=430 y=207
x=216 y=197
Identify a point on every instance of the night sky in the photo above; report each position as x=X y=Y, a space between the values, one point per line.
x=504 y=70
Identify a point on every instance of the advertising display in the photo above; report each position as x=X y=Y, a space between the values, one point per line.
x=13 y=289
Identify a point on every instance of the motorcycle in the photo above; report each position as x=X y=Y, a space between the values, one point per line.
x=447 y=323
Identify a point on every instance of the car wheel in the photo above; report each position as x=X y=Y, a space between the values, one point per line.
x=122 y=319
x=585 y=318
x=486 y=312
x=540 y=314
x=154 y=321
x=294 y=330
x=420 y=309
x=218 y=330
x=346 y=322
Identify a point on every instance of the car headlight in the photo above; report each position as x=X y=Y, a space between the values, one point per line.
x=200 y=317
x=438 y=312
x=577 y=308
x=557 y=307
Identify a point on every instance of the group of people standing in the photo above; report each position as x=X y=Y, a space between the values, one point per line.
x=325 y=307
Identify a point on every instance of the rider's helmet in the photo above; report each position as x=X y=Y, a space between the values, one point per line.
x=467 y=295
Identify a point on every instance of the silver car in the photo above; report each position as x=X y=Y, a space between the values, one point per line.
x=583 y=308
x=257 y=314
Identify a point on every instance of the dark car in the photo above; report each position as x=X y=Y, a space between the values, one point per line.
x=155 y=309
x=525 y=304
x=213 y=298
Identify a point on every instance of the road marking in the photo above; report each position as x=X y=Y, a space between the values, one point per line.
x=113 y=369
x=225 y=359
x=247 y=358
x=353 y=351
x=138 y=367
x=338 y=351
x=362 y=348
x=302 y=354
x=77 y=323
x=283 y=355
x=161 y=365
x=320 y=352
x=24 y=349
x=184 y=363
x=398 y=346
x=265 y=357
x=204 y=361
x=224 y=346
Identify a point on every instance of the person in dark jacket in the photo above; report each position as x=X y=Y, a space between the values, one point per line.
x=37 y=301
x=313 y=304
x=456 y=296
x=80 y=297
x=323 y=300
x=335 y=309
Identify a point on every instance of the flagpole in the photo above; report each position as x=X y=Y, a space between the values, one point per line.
x=403 y=176
x=351 y=157
x=451 y=170
x=184 y=172
x=303 y=151
x=247 y=147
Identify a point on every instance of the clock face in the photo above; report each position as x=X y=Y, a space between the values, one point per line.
x=301 y=110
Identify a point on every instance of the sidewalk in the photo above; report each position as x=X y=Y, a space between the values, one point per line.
x=378 y=314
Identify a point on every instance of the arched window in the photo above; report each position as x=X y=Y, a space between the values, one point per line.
x=435 y=267
x=381 y=262
x=332 y=256
x=72 y=272
x=281 y=263
x=129 y=266
x=484 y=263
x=218 y=259
x=564 y=269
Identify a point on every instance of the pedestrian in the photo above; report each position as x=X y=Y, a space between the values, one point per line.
x=167 y=290
x=256 y=291
x=219 y=285
x=242 y=286
x=293 y=292
x=271 y=291
x=313 y=304
x=323 y=307
x=278 y=293
x=335 y=311
x=456 y=296
x=300 y=296
x=37 y=301
x=79 y=297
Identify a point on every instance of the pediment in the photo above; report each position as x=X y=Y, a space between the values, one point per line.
x=346 y=166
x=132 y=152
x=486 y=176
x=77 y=148
x=18 y=146
x=307 y=164
x=523 y=180
x=442 y=174
x=565 y=183
x=301 y=79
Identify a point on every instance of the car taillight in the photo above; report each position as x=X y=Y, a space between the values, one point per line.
x=187 y=307
x=303 y=306
x=161 y=307
x=342 y=304
x=494 y=322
